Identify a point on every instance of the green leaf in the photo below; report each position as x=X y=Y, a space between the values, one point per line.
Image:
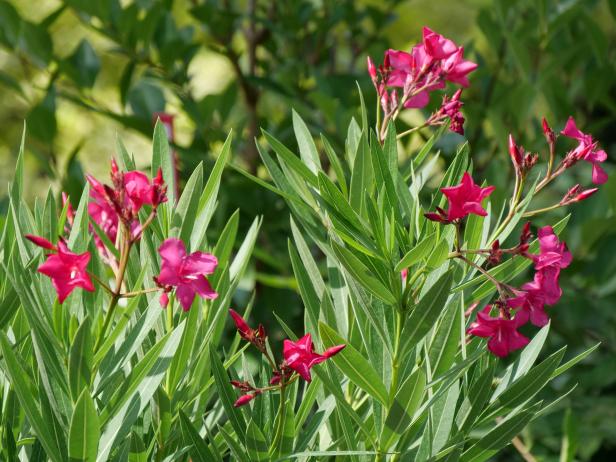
x=291 y=160
x=572 y=362
x=227 y=396
x=500 y=436
x=405 y=403
x=527 y=386
x=25 y=390
x=135 y=393
x=185 y=214
x=256 y=443
x=163 y=158
x=307 y=148
x=417 y=253
x=80 y=360
x=426 y=312
x=83 y=65
x=362 y=176
x=207 y=201
x=198 y=448
x=363 y=275
x=85 y=432
x=354 y=365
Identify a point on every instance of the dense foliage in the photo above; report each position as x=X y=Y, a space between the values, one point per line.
x=71 y=69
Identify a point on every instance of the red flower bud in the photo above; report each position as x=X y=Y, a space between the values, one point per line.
x=515 y=152
x=40 y=241
x=547 y=131
x=164 y=300
x=245 y=399
x=585 y=194
x=372 y=70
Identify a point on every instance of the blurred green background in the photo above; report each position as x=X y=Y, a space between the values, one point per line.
x=83 y=72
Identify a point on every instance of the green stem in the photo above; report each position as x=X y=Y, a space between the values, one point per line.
x=512 y=209
x=169 y=328
x=411 y=130
x=281 y=415
x=543 y=210
x=107 y=321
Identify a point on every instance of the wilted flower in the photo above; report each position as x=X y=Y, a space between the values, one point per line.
x=186 y=272
x=67 y=270
x=300 y=355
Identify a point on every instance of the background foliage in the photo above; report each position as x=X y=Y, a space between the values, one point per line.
x=80 y=72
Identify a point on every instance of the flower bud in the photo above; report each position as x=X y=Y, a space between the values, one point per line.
x=515 y=152
x=547 y=131
x=372 y=70
x=245 y=399
x=164 y=300
x=585 y=194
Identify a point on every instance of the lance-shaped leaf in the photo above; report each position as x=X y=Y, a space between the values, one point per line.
x=354 y=365
x=426 y=312
x=24 y=388
x=405 y=403
x=80 y=359
x=198 y=448
x=85 y=431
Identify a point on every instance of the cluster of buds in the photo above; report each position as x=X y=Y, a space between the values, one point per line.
x=298 y=358
x=449 y=110
x=121 y=202
x=405 y=80
x=523 y=161
x=496 y=252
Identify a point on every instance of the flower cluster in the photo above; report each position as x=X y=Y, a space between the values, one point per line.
x=405 y=80
x=528 y=303
x=517 y=307
x=299 y=358
x=115 y=210
x=119 y=204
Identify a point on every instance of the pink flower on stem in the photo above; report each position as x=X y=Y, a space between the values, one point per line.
x=300 y=355
x=464 y=199
x=552 y=252
x=502 y=333
x=67 y=270
x=587 y=150
x=186 y=272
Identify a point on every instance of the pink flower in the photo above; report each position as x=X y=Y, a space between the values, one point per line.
x=552 y=252
x=186 y=272
x=466 y=198
x=502 y=333
x=138 y=189
x=587 y=150
x=437 y=46
x=300 y=355
x=456 y=68
x=531 y=301
x=67 y=270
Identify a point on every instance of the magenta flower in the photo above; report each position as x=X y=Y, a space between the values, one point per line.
x=300 y=355
x=587 y=150
x=552 y=252
x=531 y=302
x=464 y=199
x=186 y=272
x=456 y=68
x=101 y=211
x=502 y=332
x=67 y=270
x=437 y=46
